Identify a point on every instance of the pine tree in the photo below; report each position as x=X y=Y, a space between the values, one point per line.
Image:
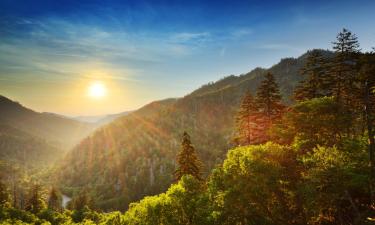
x=187 y=160
x=54 y=200
x=268 y=98
x=81 y=201
x=342 y=69
x=249 y=122
x=35 y=202
x=314 y=84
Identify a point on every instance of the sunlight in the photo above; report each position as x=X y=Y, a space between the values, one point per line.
x=97 y=90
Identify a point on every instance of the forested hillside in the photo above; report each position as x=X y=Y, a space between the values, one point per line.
x=31 y=143
x=20 y=148
x=134 y=155
x=58 y=130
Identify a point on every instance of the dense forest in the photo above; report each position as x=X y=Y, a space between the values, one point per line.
x=296 y=157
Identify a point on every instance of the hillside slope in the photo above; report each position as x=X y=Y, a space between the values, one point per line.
x=134 y=155
x=61 y=131
x=20 y=148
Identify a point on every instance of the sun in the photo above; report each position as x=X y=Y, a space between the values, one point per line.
x=97 y=90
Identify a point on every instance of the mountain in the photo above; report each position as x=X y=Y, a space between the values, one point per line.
x=134 y=155
x=23 y=149
x=101 y=119
x=58 y=130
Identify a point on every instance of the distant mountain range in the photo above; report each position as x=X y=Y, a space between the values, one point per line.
x=101 y=119
x=134 y=155
x=36 y=137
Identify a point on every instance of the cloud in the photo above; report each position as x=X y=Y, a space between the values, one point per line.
x=184 y=37
x=242 y=32
x=222 y=52
x=279 y=46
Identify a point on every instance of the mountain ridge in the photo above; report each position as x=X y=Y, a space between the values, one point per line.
x=55 y=128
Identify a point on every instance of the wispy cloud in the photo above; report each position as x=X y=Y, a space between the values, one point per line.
x=279 y=46
x=222 y=51
x=184 y=37
x=241 y=32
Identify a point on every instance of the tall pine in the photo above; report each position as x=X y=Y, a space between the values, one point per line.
x=268 y=98
x=249 y=122
x=342 y=68
x=187 y=160
x=35 y=202
x=54 y=200
x=315 y=83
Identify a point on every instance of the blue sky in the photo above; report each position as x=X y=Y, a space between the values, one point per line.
x=149 y=50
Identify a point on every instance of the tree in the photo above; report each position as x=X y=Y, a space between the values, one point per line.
x=268 y=100
x=342 y=69
x=35 y=202
x=268 y=97
x=184 y=203
x=54 y=200
x=335 y=184
x=314 y=84
x=257 y=185
x=249 y=122
x=319 y=121
x=81 y=200
x=187 y=160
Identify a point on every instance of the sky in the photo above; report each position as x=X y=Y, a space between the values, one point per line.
x=53 y=52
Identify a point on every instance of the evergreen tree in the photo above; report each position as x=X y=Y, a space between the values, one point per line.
x=342 y=69
x=268 y=98
x=54 y=200
x=187 y=160
x=249 y=122
x=314 y=84
x=81 y=201
x=35 y=202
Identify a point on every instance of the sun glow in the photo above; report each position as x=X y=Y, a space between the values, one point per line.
x=97 y=90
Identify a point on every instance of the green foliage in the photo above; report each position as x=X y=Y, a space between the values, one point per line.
x=81 y=201
x=319 y=121
x=336 y=184
x=268 y=97
x=35 y=202
x=54 y=199
x=54 y=217
x=269 y=184
x=256 y=185
x=342 y=68
x=183 y=203
x=315 y=83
